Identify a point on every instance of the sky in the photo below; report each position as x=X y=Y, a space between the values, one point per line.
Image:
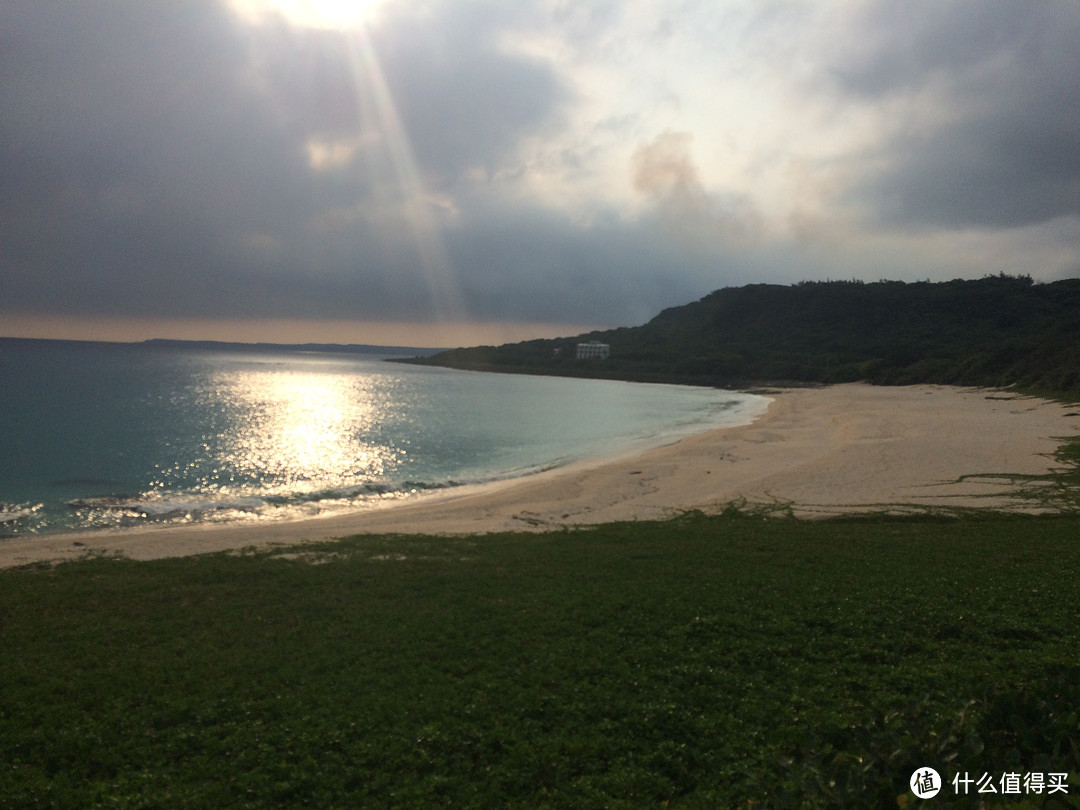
x=455 y=172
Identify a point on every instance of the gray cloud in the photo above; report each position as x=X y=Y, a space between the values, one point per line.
x=155 y=160
x=169 y=159
x=529 y=264
x=139 y=153
x=464 y=100
x=664 y=171
x=1000 y=145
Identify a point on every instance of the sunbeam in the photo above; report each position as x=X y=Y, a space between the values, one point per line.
x=331 y=15
x=380 y=130
x=377 y=104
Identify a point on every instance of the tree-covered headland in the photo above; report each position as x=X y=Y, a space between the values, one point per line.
x=995 y=331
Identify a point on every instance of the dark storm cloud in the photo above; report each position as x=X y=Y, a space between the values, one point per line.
x=995 y=138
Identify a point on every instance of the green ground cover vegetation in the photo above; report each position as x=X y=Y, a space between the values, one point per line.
x=728 y=661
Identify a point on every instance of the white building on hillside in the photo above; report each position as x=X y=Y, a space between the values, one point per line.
x=593 y=351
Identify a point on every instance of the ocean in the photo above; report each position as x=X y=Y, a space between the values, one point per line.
x=100 y=435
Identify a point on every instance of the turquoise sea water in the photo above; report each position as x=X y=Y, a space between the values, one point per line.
x=101 y=435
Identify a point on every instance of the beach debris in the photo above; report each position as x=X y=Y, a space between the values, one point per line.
x=532 y=518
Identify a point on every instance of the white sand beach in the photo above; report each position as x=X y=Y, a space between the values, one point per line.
x=818 y=451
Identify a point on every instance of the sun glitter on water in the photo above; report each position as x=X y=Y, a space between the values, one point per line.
x=301 y=430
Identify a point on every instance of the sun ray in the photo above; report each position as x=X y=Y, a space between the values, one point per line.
x=377 y=104
x=331 y=15
x=353 y=19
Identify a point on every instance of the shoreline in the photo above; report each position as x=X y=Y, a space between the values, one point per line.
x=814 y=452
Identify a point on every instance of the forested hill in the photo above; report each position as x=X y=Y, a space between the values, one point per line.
x=996 y=331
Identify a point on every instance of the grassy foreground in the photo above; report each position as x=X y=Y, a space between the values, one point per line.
x=702 y=662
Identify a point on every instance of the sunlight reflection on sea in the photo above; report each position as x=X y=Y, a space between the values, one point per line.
x=124 y=435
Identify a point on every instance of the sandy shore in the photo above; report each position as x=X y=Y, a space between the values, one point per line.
x=824 y=451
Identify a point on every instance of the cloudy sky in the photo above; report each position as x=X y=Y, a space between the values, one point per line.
x=444 y=172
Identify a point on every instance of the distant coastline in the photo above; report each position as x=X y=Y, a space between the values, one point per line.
x=998 y=331
x=221 y=345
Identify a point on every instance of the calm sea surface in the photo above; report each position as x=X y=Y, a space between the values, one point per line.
x=101 y=435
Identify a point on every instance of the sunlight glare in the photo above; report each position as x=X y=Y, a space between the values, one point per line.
x=304 y=430
x=328 y=15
